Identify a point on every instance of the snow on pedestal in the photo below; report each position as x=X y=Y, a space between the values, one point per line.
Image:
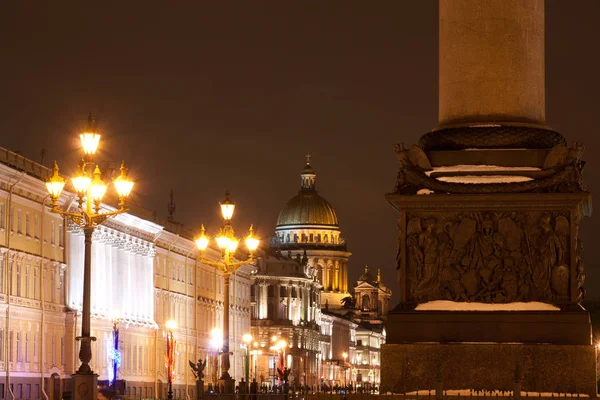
x=446 y=305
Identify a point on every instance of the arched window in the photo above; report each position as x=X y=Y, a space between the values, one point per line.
x=326 y=239
x=287 y=239
x=365 y=302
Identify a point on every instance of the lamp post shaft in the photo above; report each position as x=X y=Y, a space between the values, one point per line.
x=85 y=352
x=247 y=364
x=226 y=365
x=170 y=364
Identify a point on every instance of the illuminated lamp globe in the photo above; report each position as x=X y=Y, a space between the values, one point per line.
x=122 y=183
x=90 y=138
x=115 y=316
x=281 y=344
x=247 y=338
x=55 y=183
x=89 y=142
x=227 y=207
x=223 y=241
x=81 y=181
x=171 y=325
x=232 y=246
x=98 y=187
x=202 y=241
x=251 y=240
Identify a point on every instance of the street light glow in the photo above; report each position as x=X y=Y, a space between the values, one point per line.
x=227 y=207
x=171 y=325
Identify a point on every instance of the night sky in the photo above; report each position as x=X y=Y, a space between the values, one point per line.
x=202 y=96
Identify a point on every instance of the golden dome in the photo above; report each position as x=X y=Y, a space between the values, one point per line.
x=307 y=208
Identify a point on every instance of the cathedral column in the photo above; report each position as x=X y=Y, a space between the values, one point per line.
x=325 y=273
x=289 y=302
x=337 y=271
x=277 y=299
x=345 y=276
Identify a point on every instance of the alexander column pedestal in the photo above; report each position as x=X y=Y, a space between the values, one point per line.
x=514 y=254
x=489 y=206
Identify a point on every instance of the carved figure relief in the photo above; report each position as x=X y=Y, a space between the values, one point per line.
x=488 y=257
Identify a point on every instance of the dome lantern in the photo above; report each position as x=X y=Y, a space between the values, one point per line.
x=308 y=176
x=307 y=207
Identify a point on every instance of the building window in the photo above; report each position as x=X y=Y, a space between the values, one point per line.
x=312 y=237
x=62 y=350
x=36 y=224
x=52 y=288
x=53 y=349
x=19 y=222
x=295 y=238
x=10 y=346
x=12 y=217
x=52 y=239
x=18 y=279
x=35 y=283
x=27 y=224
x=2 y=216
x=19 y=353
x=287 y=238
x=26 y=292
x=61 y=236
x=27 y=347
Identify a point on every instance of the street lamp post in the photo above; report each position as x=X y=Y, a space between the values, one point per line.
x=90 y=189
x=247 y=339
x=216 y=341
x=256 y=353
x=116 y=356
x=227 y=243
x=345 y=357
x=171 y=326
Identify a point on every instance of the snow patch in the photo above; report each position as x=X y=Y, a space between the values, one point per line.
x=479 y=168
x=425 y=191
x=493 y=393
x=447 y=305
x=479 y=179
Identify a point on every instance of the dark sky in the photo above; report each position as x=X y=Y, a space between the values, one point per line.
x=204 y=96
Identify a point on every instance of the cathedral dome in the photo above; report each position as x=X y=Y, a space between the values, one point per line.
x=307 y=207
x=366 y=276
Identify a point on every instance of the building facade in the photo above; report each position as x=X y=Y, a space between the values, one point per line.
x=144 y=272
x=309 y=251
x=285 y=307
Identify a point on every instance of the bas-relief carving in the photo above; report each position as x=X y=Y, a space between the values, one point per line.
x=489 y=257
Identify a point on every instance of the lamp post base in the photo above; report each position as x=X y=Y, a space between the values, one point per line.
x=84 y=387
x=227 y=385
